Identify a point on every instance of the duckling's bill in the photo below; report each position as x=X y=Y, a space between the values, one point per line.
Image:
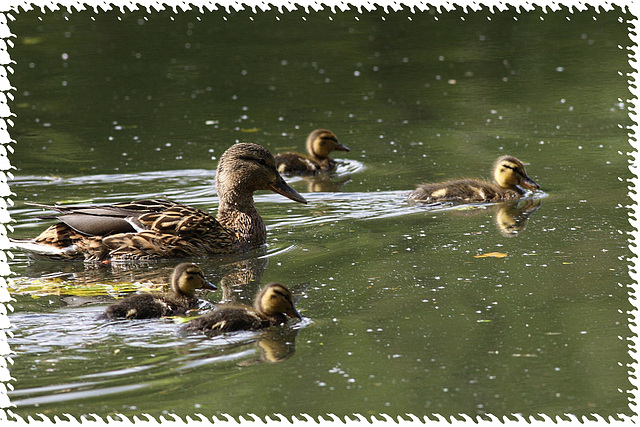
x=341 y=147
x=529 y=184
x=281 y=187
x=209 y=285
x=293 y=313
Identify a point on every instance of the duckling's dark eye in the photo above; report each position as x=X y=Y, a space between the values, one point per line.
x=262 y=162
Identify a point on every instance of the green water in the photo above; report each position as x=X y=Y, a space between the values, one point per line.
x=400 y=316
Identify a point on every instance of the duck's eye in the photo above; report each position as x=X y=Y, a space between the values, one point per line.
x=261 y=161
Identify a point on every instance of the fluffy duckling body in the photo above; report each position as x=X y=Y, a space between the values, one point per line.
x=186 y=278
x=510 y=179
x=319 y=144
x=148 y=229
x=272 y=306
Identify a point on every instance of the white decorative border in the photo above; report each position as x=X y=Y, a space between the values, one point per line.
x=6 y=145
x=9 y=7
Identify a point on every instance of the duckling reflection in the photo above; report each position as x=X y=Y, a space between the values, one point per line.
x=272 y=306
x=511 y=217
x=274 y=346
x=185 y=280
x=323 y=183
x=319 y=144
x=511 y=182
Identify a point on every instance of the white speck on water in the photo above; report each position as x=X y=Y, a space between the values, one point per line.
x=560 y=69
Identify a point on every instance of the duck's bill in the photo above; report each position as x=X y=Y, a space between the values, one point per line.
x=341 y=147
x=294 y=313
x=283 y=188
x=209 y=285
x=529 y=184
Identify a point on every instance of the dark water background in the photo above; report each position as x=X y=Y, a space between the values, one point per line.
x=400 y=316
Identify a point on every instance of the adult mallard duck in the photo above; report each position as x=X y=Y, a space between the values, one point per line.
x=148 y=229
x=320 y=143
x=509 y=175
x=271 y=307
x=186 y=278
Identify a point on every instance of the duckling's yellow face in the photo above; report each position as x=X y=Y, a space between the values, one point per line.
x=321 y=142
x=247 y=167
x=189 y=277
x=509 y=172
x=276 y=298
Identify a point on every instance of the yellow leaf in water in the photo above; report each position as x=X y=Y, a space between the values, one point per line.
x=491 y=255
x=251 y=130
x=31 y=40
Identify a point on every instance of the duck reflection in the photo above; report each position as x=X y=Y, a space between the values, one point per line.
x=82 y=283
x=274 y=346
x=326 y=183
x=511 y=217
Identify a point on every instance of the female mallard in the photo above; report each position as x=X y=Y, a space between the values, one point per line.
x=164 y=229
x=320 y=143
x=271 y=307
x=509 y=175
x=186 y=278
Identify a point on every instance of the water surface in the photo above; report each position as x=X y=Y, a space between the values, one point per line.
x=401 y=315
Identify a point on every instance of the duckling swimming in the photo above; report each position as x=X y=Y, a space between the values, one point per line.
x=320 y=143
x=159 y=228
x=186 y=278
x=271 y=307
x=509 y=175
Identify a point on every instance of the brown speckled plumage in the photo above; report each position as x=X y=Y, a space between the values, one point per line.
x=271 y=307
x=319 y=144
x=164 y=229
x=509 y=175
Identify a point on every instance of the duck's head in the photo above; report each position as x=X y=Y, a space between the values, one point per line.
x=187 y=277
x=321 y=142
x=509 y=172
x=274 y=299
x=246 y=167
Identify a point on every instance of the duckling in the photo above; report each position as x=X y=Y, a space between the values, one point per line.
x=509 y=175
x=186 y=278
x=271 y=307
x=320 y=143
x=158 y=228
